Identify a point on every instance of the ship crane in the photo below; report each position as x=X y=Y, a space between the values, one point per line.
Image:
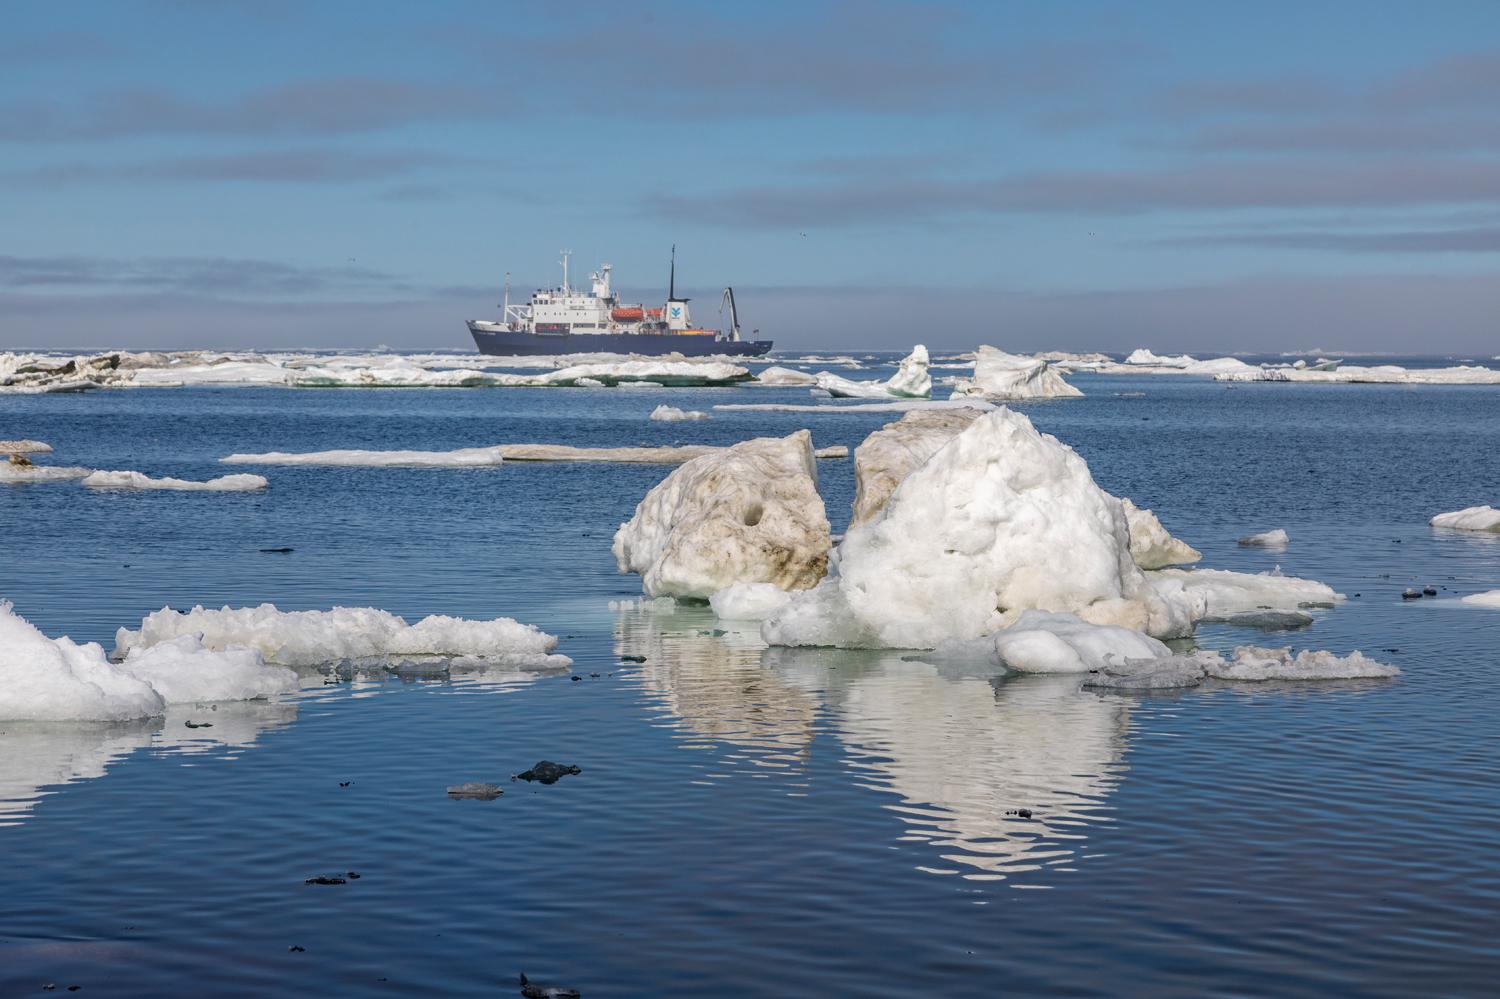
x=734 y=315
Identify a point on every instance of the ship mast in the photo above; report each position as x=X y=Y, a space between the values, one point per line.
x=567 y=290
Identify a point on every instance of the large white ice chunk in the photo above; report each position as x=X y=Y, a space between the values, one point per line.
x=671 y=414
x=778 y=376
x=1001 y=520
x=1040 y=642
x=998 y=375
x=749 y=601
x=136 y=480
x=891 y=454
x=1266 y=539
x=1474 y=518
x=750 y=514
x=47 y=679
x=1218 y=594
x=1142 y=355
x=1150 y=544
x=308 y=638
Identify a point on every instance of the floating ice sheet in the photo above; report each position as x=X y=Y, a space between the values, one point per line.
x=137 y=480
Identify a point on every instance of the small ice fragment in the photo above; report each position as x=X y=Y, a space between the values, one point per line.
x=671 y=414
x=1489 y=598
x=1268 y=539
x=1474 y=518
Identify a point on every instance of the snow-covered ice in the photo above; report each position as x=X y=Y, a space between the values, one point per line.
x=911 y=381
x=1001 y=520
x=1266 y=539
x=135 y=480
x=777 y=376
x=40 y=473
x=1042 y=642
x=469 y=457
x=749 y=514
x=1220 y=595
x=1001 y=376
x=671 y=414
x=1150 y=544
x=47 y=679
x=749 y=601
x=1142 y=355
x=1474 y=518
x=1257 y=664
x=313 y=637
x=891 y=453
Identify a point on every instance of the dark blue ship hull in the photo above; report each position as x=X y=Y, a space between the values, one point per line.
x=505 y=343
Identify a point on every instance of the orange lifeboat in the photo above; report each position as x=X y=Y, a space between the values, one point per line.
x=627 y=314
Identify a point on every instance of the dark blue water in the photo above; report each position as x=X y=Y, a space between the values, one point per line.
x=752 y=822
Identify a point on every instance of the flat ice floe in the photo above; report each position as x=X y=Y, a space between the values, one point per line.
x=1012 y=377
x=313 y=637
x=1474 y=518
x=1001 y=520
x=1250 y=663
x=1266 y=539
x=1489 y=598
x=56 y=679
x=24 y=447
x=469 y=457
x=1221 y=595
x=911 y=381
x=1384 y=374
x=671 y=414
x=894 y=406
x=136 y=480
x=748 y=514
x=777 y=376
x=40 y=473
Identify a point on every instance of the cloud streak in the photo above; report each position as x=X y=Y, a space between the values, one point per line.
x=308 y=166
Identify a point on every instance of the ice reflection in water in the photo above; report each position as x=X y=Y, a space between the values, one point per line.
x=960 y=747
x=36 y=756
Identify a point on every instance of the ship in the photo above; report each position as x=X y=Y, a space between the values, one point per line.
x=565 y=320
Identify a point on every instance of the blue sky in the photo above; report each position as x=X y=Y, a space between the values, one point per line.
x=1203 y=176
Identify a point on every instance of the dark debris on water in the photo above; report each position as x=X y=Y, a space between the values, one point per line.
x=536 y=990
x=547 y=772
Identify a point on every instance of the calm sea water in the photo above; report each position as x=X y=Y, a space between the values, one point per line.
x=752 y=822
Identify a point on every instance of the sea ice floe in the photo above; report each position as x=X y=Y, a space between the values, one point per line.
x=1474 y=518
x=1490 y=598
x=1142 y=355
x=40 y=473
x=894 y=406
x=1221 y=595
x=911 y=381
x=24 y=447
x=1001 y=376
x=748 y=514
x=749 y=601
x=469 y=457
x=136 y=480
x=1150 y=544
x=314 y=637
x=1042 y=642
x=1266 y=539
x=56 y=679
x=1001 y=520
x=671 y=414
x=778 y=376
x=1384 y=374
x=1251 y=663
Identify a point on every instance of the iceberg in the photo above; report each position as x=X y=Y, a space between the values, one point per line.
x=1012 y=377
x=671 y=414
x=748 y=514
x=55 y=679
x=891 y=453
x=749 y=601
x=1474 y=518
x=1001 y=520
x=1150 y=544
x=1267 y=539
x=314 y=637
x=135 y=480
x=1141 y=355
x=911 y=381
x=469 y=457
